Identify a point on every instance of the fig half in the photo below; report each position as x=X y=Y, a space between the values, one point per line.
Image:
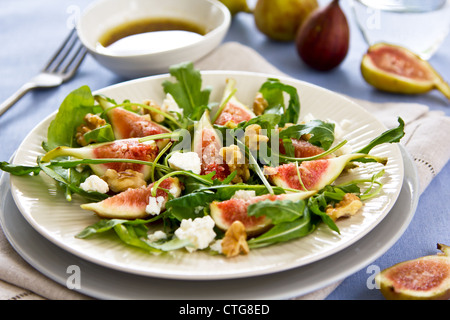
x=425 y=278
x=234 y=110
x=226 y=212
x=396 y=69
x=312 y=175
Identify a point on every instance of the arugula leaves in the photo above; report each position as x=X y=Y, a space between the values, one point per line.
x=187 y=91
x=322 y=133
x=273 y=91
x=390 y=136
x=19 y=170
x=71 y=112
x=278 y=211
x=286 y=231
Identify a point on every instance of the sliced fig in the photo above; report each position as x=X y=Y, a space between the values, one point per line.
x=118 y=149
x=303 y=148
x=127 y=124
x=315 y=174
x=132 y=203
x=424 y=278
x=234 y=110
x=396 y=69
x=207 y=144
x=226 y=212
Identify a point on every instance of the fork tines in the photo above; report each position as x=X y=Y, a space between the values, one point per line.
x=68 y=57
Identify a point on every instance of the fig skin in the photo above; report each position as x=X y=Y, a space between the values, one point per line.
x=322 y=41
x=280 y=19
x=236 y=6
x=418 y=76
x=394 y=281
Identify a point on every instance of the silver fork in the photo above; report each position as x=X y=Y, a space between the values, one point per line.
x=61 y=67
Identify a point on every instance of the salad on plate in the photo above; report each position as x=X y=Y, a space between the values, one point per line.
x=192 y=174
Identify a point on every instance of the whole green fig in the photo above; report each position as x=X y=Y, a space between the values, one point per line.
x=236 y=6
x=280 y=19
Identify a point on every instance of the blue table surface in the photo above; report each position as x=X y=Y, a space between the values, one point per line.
x=30 y=31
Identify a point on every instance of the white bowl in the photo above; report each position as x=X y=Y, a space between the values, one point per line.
x=103 y=15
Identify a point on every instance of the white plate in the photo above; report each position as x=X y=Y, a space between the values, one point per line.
x=45 y=208
x=96 y=281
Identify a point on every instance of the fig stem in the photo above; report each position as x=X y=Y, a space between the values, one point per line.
x=443 y=87
x=73 y=163
x=157 y=159
x=168 y=135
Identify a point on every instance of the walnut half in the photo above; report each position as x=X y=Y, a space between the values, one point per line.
x=91 y=122
x=233 y=156
x=156 y=117
x=254 y=137
x=259 y=104
x=235 y=241
x=121 y=181
x=348 y=206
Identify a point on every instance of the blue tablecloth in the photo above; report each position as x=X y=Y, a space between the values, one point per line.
x=32 y=30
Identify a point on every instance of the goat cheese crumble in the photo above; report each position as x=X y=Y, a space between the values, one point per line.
x=155 y=205
x=199 y=232
x=94 y=183
x=157 y=235
x=170 y=105
x=189 y=161
x=244 y=194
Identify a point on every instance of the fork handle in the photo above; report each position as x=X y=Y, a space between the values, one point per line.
x=8 y=103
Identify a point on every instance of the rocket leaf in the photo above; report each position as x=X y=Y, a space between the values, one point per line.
x=62 y=129
x=322 y=133
x=278 y=211
x=187 y=91
x=273 y=91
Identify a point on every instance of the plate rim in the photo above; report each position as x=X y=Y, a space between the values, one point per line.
x=209 y=276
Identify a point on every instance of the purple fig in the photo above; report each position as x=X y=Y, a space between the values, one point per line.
x=323 y=40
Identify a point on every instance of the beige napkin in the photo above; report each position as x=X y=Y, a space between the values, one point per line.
x=426 y=140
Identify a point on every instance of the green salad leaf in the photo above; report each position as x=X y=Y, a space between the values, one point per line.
x=188 y=91
x=278 y=211
x=322 y=133
x=18 y=170
x=389 y=136
x=62 y=129
x=273 y=91
x=286 y=231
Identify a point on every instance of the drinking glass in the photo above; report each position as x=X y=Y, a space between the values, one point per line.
x=418 y=25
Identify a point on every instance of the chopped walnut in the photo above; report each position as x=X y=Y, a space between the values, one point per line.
x=121 y=181
x=348 y=206
x=157 y=117
x=233 y=156
x=91 y=122
x=235 y=241
x=253 y=137
x=231 y=124
x=259 y=104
